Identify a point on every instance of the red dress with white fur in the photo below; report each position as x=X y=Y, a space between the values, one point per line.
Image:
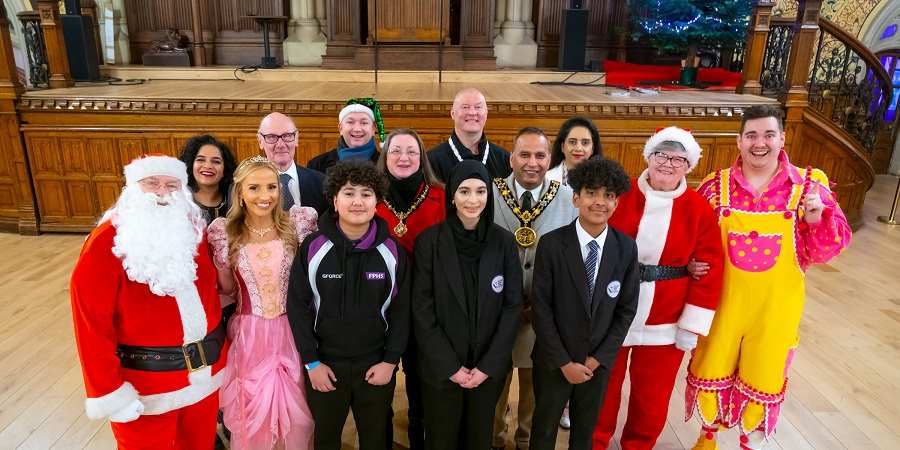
x=669 y=228
x=109 y=309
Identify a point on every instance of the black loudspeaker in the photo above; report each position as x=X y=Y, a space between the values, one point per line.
x=73 y=6
x=572 y=39
x=84 y=62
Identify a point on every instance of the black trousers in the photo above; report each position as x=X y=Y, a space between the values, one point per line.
x=416 y=414
x=460 y=419
x=370 y=405
x=551 y=392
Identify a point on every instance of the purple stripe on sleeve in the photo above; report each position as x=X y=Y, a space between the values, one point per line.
x=314 y=247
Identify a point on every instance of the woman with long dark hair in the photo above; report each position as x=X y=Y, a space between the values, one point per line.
x=211 y=166
x=577 y=140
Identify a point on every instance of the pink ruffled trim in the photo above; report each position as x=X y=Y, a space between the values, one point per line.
x=733 y=396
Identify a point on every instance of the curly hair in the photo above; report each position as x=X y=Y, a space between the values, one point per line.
x=556 y=153
x=189 y=154
x=599 y=173
x=359 y=173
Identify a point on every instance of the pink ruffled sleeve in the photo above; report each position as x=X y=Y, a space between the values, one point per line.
x=823 y=240
x=305 y=220
x=218 y=242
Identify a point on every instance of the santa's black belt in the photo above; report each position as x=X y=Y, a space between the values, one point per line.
x=192 y=356
x=658 y=273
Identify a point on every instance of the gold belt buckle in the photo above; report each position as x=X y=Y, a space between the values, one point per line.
x=187 y=355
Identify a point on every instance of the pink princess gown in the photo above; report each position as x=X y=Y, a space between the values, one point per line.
x=262 y=398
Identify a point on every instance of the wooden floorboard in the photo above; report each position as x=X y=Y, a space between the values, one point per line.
x=844 y=391
x=324 y=91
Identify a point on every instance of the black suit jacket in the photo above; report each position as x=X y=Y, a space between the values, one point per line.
x=325 y=161
x=439 y=305
x=567 y=330
x=311 y=194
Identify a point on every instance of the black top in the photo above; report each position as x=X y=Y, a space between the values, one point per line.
x=211 y=213
x=441 y=319
x=358 y=304
x=443 y=160
x=566 y=328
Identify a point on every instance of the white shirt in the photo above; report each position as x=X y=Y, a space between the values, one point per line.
x=520 y=191
x=584 y=238
x=294 y=183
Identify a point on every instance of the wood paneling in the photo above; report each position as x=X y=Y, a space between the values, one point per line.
x=230 y=37
x=409 y=21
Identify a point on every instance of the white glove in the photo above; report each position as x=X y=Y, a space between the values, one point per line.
x=685 y=340
x=130 y=412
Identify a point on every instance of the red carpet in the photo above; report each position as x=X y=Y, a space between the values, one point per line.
x=637 y=75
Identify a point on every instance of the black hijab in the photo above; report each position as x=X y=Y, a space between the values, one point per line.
x=469 y=243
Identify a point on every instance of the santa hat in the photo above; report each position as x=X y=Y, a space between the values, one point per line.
x=155 y=165
x=680 y=135
x=355 y=108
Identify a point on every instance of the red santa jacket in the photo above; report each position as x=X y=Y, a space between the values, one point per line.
x=108 y=309
x=670 y=228
x=430 y=212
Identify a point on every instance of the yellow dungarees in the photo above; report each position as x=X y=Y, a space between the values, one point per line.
x=738 y=373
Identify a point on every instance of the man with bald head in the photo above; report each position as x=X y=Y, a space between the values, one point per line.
x=277 y=137
x=469 y=114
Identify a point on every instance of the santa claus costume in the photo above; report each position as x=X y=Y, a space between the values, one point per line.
x=147 y=316
x=670 y=228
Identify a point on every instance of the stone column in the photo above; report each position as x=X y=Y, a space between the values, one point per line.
x=113 y=32
x=322 y=17
x=499 y=16
x=305 y=43
x=513 y=47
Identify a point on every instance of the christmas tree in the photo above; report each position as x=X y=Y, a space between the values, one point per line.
x=683 y=25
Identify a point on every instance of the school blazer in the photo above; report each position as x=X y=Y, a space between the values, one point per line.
x=439 y=304
x=566 y=329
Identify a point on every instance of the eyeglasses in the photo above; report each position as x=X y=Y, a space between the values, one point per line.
x=396 y=152
x=153 y=185
x=676 y=161
x=273 y=138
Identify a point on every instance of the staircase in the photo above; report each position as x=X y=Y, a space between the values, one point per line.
x=835 y=93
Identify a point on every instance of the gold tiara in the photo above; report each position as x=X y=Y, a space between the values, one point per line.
x=257 y=159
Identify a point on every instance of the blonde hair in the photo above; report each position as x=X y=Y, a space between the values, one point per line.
x=235 y=226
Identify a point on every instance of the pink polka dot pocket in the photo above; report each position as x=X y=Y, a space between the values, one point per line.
x=753 y=252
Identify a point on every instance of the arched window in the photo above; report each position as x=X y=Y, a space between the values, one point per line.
x=889 y=59
x=889 y=31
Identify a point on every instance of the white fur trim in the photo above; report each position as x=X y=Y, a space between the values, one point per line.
x=104 y=406
x=663 y=334
x=355 y=108
x=193 y=316
x=148 y=166
x=684 y=137
x=696 y=319
x=655 y=219
x=162 y=403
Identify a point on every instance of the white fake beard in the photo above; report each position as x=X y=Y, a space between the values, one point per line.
x=157 y=243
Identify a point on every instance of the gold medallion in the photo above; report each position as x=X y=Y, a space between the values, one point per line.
x=400 y=229
x=525 y=236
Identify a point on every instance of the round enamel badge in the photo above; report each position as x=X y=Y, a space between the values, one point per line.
x=497 y=284
x=612 y=289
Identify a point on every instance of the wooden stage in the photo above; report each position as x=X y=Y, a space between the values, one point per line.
x=844 y=391
x=77 y=139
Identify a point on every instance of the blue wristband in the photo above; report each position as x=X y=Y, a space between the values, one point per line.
x=312 y=365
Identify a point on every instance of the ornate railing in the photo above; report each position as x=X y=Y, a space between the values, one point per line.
x=848 y=85
x=776 y=56
x=38 y=69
